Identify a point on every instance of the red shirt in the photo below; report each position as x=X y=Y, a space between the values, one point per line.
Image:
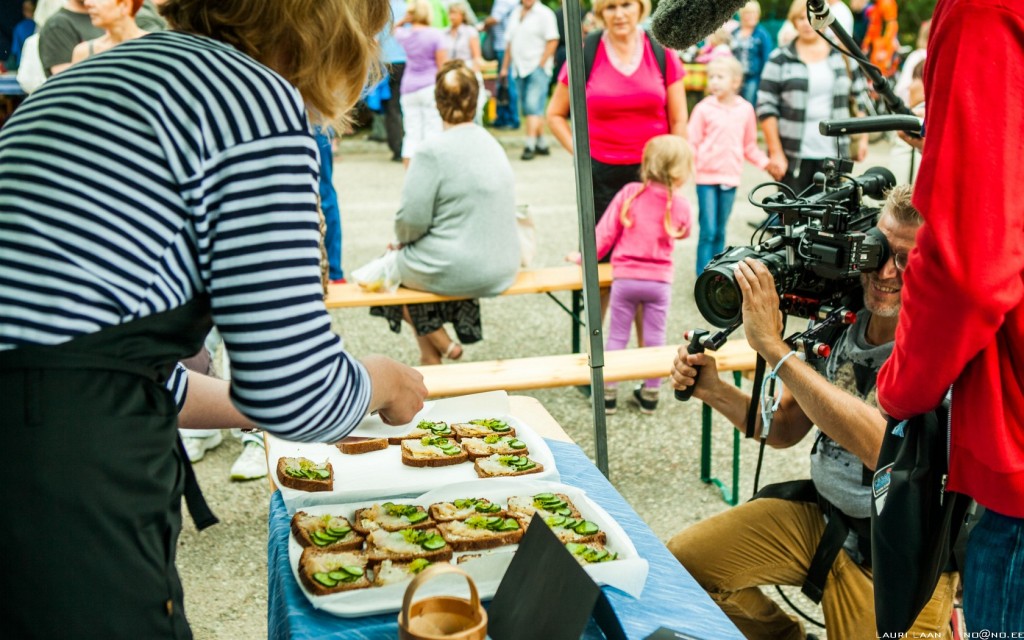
x=962 y=321
x=624 y=112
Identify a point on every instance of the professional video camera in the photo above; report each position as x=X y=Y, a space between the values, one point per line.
x=819 y=246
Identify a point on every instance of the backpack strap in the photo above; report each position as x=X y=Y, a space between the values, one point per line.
x=590 y=53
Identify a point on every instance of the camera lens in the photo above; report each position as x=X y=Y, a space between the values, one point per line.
x=718 y=296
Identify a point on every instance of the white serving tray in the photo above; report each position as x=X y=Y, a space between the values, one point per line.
x=628 y=572
x=380 y=474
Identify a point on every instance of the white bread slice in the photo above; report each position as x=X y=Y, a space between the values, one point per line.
x=391 y=517
x=573 y=530
x=391 y=572
x=483 y=427
x=497 y=466
x=546 y=504
x=305 y=475
x=489 y=445
x=592 y=553
x=481 y=532
x=354 y=445
x=326 y=572
x=328 y=532
x=407 y=545
x=432 y=451
x=424 y=428
x=463 y=508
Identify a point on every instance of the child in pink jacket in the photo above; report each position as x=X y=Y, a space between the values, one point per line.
x=723 y=131
x=640 y=228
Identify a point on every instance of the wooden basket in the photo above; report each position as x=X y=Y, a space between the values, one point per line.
x=441 y=617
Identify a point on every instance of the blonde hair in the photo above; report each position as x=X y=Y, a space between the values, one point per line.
x=326 y=48
x=420 y=12
x=727 y=63
x=668 y=159
x=455 y=92
x=752 y=6
x=898 y=205
x=720 y=36
x=601 y=5
x=798 y=8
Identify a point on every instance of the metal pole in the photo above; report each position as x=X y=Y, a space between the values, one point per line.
x=585 y=206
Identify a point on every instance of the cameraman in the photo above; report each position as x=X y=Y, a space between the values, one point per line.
x=772 y=539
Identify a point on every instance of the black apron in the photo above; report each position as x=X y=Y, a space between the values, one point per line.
x=93 y=475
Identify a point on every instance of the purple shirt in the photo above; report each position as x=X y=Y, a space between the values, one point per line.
x=421 y=45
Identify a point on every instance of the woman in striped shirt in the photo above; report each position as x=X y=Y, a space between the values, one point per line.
x=144 y=193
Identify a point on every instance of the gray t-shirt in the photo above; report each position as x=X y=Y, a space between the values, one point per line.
x=853 y=367
x=65 y=29
x=458 y=218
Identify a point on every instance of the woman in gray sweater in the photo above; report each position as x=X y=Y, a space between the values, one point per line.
x=456 y=227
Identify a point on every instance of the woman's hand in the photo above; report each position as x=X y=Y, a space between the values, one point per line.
x=397 y=390
x=778 y=164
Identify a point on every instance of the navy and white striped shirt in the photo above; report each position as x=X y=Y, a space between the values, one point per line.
x=170 y=166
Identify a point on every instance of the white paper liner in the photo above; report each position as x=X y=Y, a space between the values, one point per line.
x=378 y=474
x=628 y=573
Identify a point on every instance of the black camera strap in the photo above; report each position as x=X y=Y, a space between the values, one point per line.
x=759 y=368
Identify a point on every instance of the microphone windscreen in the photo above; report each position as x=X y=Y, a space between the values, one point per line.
x=679 y=24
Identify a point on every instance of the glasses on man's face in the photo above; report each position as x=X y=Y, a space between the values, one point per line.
x=900 y=260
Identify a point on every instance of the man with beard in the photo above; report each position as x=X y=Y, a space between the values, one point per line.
x=813 y=533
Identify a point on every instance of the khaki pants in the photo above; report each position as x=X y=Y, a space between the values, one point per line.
x=771 y=542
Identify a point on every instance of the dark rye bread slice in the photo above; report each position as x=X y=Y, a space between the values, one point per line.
x=425 y=428
x=354 y=445
x=481 y=532
x=407 y=545
x=318 y=569
x=432 y=452
x=315 y=477
x=462 y=508
x=327 y=532
x=391 y=517
x=499 y=466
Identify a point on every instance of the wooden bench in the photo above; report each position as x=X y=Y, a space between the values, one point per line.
x=544 y=372
x=545 y=280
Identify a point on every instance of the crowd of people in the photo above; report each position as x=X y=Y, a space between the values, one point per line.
x=165 y=236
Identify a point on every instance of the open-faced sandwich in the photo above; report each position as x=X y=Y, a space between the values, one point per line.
x=590 y=553
x=546 y=504
x=407 y=545
x=432 y=451
x=483 y=427
x=391 y=572
x=462 y=508
x=575 y=530
x=354 y=445
x=489 y=445
x=305 y=475
x=329 y=532
x=481 y=532
x=497 y=465
x=391 y=517
x=326 y=572
x=424 y=428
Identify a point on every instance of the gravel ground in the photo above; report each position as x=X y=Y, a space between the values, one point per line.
x=654 y=460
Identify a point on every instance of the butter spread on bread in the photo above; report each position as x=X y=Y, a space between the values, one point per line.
x=391 y=517
x=489 y=445
x=390 y=572
x=500 y=465
x=325 y=531
x=481 y=532
x=305 y=475
x=407 y=544
x=462 y=508
x=424 y=428
x=546 y=504
x=326 y=572
x=483 y=427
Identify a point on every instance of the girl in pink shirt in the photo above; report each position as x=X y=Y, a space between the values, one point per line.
x=640 y=228
x=723 y=131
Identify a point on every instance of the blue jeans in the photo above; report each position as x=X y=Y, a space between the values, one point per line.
x=533 y=92
x=329 y=204
x=749 y=89
x=714 y=203
x=994 y=575
x=508 y=115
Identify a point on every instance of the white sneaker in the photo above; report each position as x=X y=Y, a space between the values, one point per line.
x=251 y=463
x=196 y=447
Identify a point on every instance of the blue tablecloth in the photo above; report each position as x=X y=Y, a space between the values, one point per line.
x=9 y=85
x=670 y=598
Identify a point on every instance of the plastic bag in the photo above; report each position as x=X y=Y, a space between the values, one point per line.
x=380 y=274
x=527 y=235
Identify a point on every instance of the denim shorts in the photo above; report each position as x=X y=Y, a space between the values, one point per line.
x=533 y=92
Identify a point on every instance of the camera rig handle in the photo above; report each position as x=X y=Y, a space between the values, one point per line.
x=696 y=345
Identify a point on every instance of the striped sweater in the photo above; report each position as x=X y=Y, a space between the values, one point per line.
x=782 y=94
x=167 y=167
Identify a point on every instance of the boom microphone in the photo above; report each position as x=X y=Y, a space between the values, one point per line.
x=680 y=24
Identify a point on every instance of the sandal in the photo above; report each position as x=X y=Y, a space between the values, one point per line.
x=453 y=352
